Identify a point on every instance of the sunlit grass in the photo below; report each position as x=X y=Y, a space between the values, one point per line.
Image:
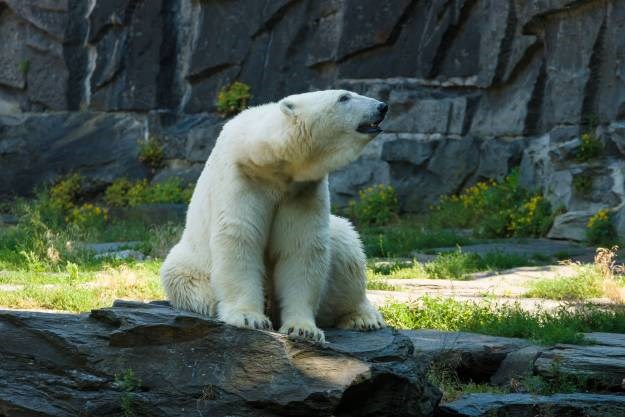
x=456 y=265
x=563 y=325
x=587 y=283
x=83 y=292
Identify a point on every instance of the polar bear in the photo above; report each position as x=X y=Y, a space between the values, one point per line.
x=259 y=235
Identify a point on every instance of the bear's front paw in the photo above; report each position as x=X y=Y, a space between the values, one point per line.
x=247 y=319
x=302 y=330
x=366 y=319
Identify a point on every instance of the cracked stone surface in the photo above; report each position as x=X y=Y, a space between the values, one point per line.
x=182 y=364
x=528 y=405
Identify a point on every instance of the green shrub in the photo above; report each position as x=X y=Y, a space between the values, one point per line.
x=600 y=229
x=377 y=205
x=88 y=216
x=233 y=99
x=116 y=194
x=151 y=153
x=582 y=183
x=137 y=192
x=590 y=148
x=495 y=209
x=124 y=193
x=169 y=191
x=64 y=194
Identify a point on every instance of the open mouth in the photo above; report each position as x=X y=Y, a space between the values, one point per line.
x=370 y=128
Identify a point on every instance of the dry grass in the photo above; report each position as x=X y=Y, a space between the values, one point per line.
x=602 y=279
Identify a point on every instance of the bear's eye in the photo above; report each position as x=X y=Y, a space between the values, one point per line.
x=344 y=97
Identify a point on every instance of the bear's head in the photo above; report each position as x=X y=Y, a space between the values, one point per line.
x=332 y=126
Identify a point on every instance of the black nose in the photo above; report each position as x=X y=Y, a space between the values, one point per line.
x=383 y=108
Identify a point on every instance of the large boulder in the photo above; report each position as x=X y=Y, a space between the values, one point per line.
x=151 y=360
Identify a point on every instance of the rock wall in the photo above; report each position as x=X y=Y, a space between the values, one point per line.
x=475 y=86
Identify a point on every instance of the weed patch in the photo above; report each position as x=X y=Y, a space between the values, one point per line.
x=233 y=99
x=563 y=325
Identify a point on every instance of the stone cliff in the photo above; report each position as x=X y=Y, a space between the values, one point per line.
x=476 y=87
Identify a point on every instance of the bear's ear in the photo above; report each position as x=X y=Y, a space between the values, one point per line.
x=287 y=107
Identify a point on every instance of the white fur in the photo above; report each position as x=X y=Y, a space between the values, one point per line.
x=259 y=226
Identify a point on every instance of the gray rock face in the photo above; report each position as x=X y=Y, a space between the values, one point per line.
x=182 y=364
x=528 y=405
x=37 y=148
x=474 y=87
x=550 y=164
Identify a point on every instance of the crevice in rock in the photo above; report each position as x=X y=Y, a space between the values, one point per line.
x=533 y=119
x=110 y=80
x=526 y=60
x=75 y=54
x=450 y=35
x=208 y=72
x=591 y=90
x=472 y=106
x=536 y=24
x=392 y=38
x=382 y=395
x=505 y=49
x=167 y=95
x=276 y=17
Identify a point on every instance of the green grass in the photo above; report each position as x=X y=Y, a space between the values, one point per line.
x=585 y=285
x=37 y=244
x=563 y=325
x=381 y=284
x=451 y=265
x=588 y=283
x=443 y=373
x=81 y=291
x=404 y=237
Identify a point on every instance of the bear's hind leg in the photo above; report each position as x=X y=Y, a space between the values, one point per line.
x=344 y=303
x=187 y=285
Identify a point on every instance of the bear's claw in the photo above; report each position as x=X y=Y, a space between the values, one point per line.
x=367 y=320
x=303 y=331
x=248 y=320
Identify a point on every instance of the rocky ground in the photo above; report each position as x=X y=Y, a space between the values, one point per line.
x=146 y=359
x=150 y=360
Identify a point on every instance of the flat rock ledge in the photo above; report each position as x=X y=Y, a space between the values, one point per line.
x=528 y=405
x=151 y=360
